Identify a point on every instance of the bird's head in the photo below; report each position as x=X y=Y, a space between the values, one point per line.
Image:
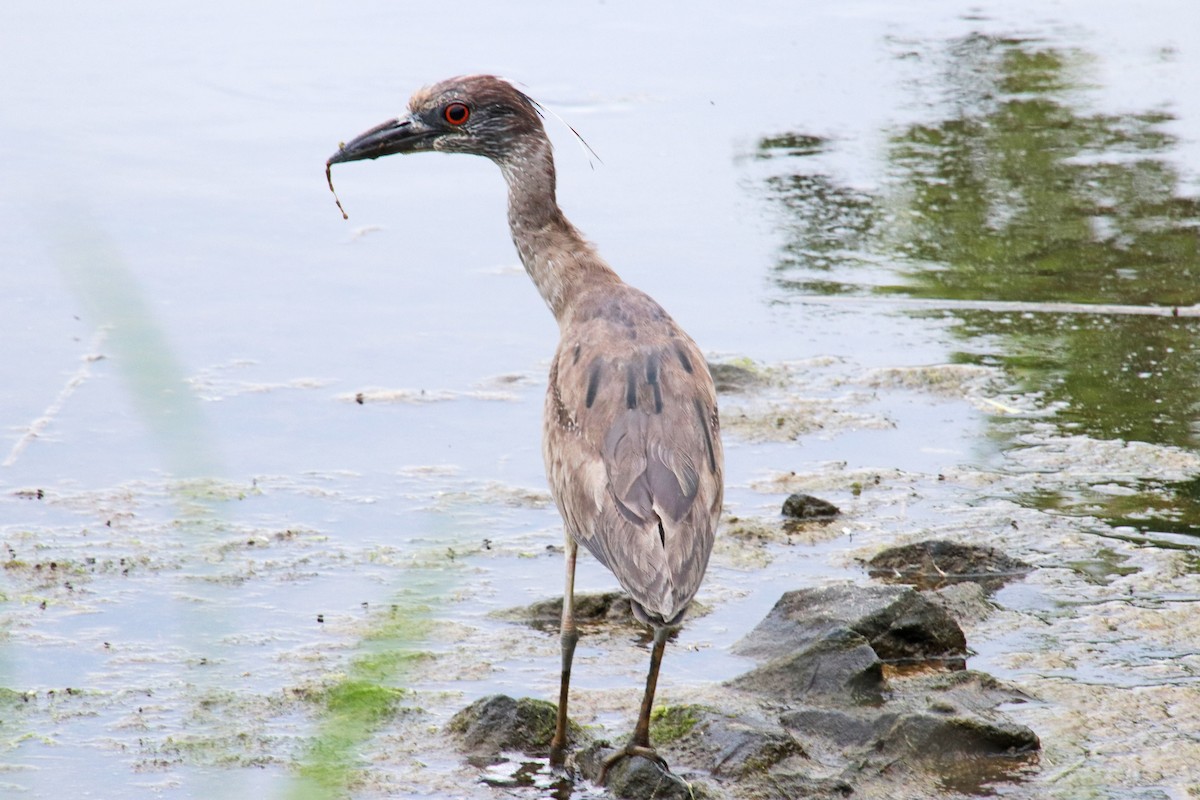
x=478 y=114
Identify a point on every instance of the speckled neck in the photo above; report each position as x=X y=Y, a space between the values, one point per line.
x=560 y=261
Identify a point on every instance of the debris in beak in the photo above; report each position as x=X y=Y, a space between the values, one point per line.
x=329 y=179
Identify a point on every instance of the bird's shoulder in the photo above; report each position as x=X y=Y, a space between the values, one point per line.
x=621 y=352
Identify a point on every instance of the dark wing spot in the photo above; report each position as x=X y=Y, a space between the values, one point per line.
x=662 y=535
x=683 y=358
x=712 y=458
x=593 y=383
x=630 y=387
x=652 y=378
x=575 y=354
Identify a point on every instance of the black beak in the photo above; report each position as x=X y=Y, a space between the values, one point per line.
x=406 y=135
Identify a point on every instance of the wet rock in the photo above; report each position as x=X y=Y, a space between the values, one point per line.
x=724 y=744
x=898 y=623
x=911 y=628
x=965 y=754
x=945 y=724
x=840 y=728
x=637 y=778
x=606 y=607
x=733 y=378
x=966 y=602
x=858 y=690
x=965 y=692
x=492 y=726
x=940 y=738
x=838 y=720
x=807 y=508
x=840 y=664
x=935 y=564
x=786 y=784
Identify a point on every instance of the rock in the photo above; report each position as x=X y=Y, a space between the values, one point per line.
x=851 y=697
x=944 y=724
x=734 y=378
x=809 y=509
x=898 y=623
x=788 y=785
x=636 y=778
x=940 y=738
x=935 y=564
x=841 y=664
x=839 y=729
x=606 y=607
x=965 y=692
x=966 y=602
x=723 y=744
x=494 y=725
x=910 y=628
x=821 y=657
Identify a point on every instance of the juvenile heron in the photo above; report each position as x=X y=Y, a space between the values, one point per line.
x=630 y=437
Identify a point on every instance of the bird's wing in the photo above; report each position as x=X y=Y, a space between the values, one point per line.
x=633 y=454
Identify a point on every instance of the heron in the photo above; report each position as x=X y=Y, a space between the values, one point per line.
x=631 y=434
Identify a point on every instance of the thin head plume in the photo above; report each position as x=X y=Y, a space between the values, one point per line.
x=588 y=152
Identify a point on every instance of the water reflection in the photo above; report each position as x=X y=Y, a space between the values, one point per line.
x=1022 y=197
x=1015 y=192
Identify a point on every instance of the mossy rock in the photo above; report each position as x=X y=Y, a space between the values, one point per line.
x=497 y=724
x=671 y=723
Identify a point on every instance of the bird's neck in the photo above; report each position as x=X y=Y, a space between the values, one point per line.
x=562 y=264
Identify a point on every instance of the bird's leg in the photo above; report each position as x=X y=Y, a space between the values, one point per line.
x=570 y=635
x=639 y=745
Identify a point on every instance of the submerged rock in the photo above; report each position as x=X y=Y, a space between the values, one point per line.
x=611 y=607
x=806 y=508
x=935 y=564
x=736 y=377
x=603 y=608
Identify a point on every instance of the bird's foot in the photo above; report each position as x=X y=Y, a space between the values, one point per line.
x=628 y=750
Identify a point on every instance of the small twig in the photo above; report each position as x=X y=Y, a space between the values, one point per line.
x=329 y=179
x=74 y=382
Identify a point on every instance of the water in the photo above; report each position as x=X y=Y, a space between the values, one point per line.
x=954 y=242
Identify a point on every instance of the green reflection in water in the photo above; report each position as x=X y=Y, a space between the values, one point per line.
x=1022 y=197
x=98 y=274
x=1018 y=194
x=364 y=700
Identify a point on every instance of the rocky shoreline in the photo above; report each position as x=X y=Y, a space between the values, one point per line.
x=858 y=690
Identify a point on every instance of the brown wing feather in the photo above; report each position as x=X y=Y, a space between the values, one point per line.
x=633 y=451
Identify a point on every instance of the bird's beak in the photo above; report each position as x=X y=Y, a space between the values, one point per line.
x=403 y=135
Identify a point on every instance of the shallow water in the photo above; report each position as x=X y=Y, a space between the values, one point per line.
x=960 y=250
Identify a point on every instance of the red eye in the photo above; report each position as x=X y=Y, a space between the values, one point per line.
x=456 y=113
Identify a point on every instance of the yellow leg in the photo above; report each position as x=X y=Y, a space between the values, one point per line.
x=639 y=745
x=558 y=745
